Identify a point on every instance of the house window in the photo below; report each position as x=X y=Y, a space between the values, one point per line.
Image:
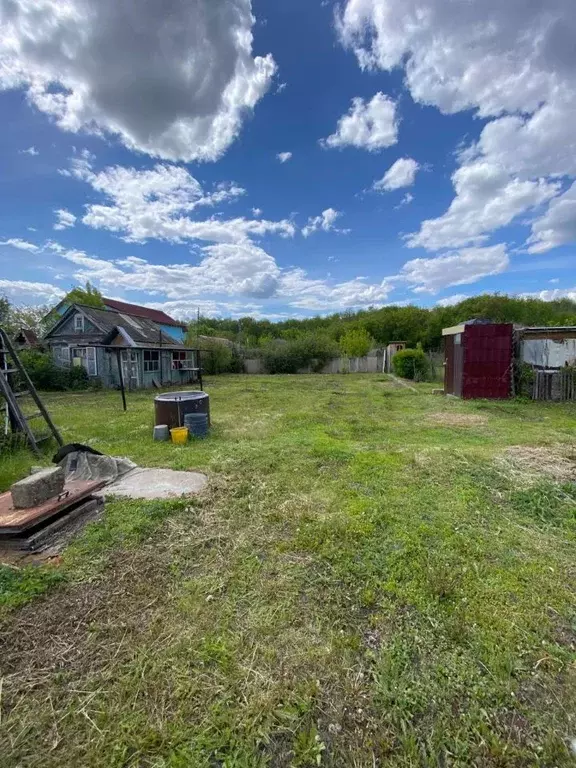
x=79 y=323
x=61 y=356
x=87 y=357
x=182 y=360
x=151 y=361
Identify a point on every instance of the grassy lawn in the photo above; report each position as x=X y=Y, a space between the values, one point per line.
x=372 y=579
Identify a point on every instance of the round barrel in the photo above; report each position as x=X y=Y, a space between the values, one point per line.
x=197 y=424
x=171 y=407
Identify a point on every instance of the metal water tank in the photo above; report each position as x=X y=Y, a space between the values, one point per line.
x=171 y=407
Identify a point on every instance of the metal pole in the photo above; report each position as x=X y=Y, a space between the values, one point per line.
x=121 y=379
x=199 y=364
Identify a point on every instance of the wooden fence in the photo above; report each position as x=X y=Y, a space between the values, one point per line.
x=554 y=385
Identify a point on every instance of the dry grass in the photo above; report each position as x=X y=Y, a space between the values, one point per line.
x=453 y=419
x=529 y=464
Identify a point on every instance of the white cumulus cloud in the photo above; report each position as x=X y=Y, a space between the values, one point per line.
x=450 y=301
x=370 y=125
x=21 y=245
x=514 y=63
x=557 y=226
x=174 y=81
x=284 y=156
x=225 y=272
x=401 y=174
x=23 y=290
x=552 y=294
x=457 y=268
x=487 y=198
x=325 y=222
x=32 y=151
x=158 y=203
x=64 y=219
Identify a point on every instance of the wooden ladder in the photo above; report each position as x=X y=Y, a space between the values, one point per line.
x=15 y=419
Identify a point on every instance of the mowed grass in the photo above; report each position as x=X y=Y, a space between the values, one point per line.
x=368 y=581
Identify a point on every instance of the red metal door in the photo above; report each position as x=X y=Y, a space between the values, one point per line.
x=487 y=360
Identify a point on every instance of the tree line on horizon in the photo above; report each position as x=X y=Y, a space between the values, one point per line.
x=417 y=326
x=411 y=324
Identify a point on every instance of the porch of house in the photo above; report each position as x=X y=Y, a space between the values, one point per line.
x=141 y=368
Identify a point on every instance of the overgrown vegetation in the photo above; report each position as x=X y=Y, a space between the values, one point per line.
x=410 y=324
x=356 y=342
x=49 y=377
x=411 y=364
x=309 y=350
x=220 y=358
x=375 y=576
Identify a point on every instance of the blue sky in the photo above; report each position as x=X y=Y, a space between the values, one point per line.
x=287 y=159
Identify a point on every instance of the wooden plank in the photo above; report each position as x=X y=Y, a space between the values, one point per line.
x=16 y=521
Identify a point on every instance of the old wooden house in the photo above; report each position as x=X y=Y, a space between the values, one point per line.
x=145 y=345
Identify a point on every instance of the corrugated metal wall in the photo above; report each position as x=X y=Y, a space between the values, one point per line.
x=488 y=360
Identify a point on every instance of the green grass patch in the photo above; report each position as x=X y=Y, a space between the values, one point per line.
x=363 y=583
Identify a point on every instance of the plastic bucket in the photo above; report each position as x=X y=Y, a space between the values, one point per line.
x=179 y=435
x=161 y=432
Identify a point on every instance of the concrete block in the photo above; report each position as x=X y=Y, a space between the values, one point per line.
x=37 y=488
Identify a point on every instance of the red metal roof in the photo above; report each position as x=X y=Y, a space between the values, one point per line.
x=138 y=311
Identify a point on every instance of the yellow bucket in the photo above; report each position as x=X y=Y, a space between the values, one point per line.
x=179 y=435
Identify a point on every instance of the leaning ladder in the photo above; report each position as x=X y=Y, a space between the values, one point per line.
x=15 y=418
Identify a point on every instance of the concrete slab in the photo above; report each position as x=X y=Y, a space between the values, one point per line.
x=145 y=483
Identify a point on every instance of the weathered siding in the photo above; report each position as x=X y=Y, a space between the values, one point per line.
x=549 y=353
x=67 y=328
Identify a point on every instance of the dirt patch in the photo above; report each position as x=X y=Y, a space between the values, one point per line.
x=530 y=463
x=448 y=419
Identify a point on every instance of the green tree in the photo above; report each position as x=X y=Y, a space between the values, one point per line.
x=88 y=295
x=356 y=342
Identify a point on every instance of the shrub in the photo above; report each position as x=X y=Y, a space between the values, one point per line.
x=411 y=364
x=46 y=375
x=77 y=378
x=290 y=356
x=356 y=342
x=525 y=377
x=220 y=358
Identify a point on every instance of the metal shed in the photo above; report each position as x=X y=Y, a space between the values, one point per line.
x=478 y=359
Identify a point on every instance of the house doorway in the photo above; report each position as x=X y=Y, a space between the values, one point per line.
x=130 y=369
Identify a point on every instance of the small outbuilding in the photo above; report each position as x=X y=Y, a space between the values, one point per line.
x=479 y=359
x=25 y=338
x=391 y=350
x=551 y=354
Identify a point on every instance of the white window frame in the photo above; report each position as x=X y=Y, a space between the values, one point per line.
x=61 y=355
x=88 y=357
x=183 y=359
x=79 y=326
x=151 y=362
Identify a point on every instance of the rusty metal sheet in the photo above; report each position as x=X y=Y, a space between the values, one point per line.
x=16 y=521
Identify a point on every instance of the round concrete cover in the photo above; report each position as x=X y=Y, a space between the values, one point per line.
x=157 y=484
